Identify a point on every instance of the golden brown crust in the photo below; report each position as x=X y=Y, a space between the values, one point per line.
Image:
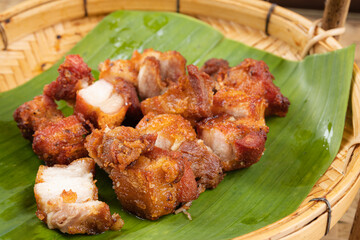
x=204 y=163
x=239 y=144
x=61 y=142
x=171 y=129
x=191 y=98
x=124 y=69
x=254 y=78
x=74 y=74
x=119 y=147
x=36 y=114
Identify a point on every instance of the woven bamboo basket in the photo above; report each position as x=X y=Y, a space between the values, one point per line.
x=35 y=34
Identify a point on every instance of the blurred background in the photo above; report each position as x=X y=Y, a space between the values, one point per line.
x=312 y=10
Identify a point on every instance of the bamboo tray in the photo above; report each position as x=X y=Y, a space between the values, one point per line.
x=35 y=34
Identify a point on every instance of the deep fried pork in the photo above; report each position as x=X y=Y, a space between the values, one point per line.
x=214 y=66
x=67 y=199
x=149 y=78
x=172 y=64
x=171 y=130
x=204 y=163
x=239 y=144
x=192 y=98
x=254 y=78
x=61 y=142
x=36 y=114
x=74 y=74
x=154 y=184
x=239 y=105
x=124 y=69
x=105 y=103
x=175 y=133
x=119 y=147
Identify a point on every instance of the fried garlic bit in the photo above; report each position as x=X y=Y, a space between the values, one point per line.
x=67 y=199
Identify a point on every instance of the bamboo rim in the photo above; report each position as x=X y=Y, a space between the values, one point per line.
x=309 y=221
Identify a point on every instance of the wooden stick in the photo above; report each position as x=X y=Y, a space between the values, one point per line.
x=335 y=14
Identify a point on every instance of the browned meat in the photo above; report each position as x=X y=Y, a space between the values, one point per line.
x=149 y=182
x=74 y=74
x=155 y=184
x=124 y=69
x=36 y=114
x=119 y=147
x=192 y=98
x=253 y=78
x=61 y=142
x=171 y=130
x=204 y=163
x=175 y=133
x=172 y=64
x=105 y=103
x=149 y=79
x=67 y=199
x=214 y=66
x=239 y=105
x=239 y=144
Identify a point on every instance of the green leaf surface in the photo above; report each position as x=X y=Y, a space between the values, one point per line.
x=299 y=149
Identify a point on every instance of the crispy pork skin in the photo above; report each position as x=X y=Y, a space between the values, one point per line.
x=172 y=64
x=171 y=129
x=67 y=199
x=36 y=114
x=74 y=74
x=119 y=147
x=124 y=69
x=61 y=142
x=155 y=184
x=239 y=105
x=192 y=98
x=149 y=182
x=204 y=163
x=254 y=78
x=176 y=133
x=238 y=144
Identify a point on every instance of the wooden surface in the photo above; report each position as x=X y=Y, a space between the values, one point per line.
x=353 y=36
x=335 y=13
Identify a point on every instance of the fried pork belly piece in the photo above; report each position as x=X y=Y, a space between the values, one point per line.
x=74 y=74
x=172 y=64
x=149 y=79
x=214 y=66
x=239 y=105
x=254 y=78
x=105 y=103
x=155 y=184
x=171 y=130
x=149 y=182
x=124 y=69
x=119 y=147
x=192 y=98
x=61 y=142
x=36 y=114
x=176 y=133
x=238 y=143
x=204 y=163
x=67 y=199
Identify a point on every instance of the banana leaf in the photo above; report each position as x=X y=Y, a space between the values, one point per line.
x=299 y=149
